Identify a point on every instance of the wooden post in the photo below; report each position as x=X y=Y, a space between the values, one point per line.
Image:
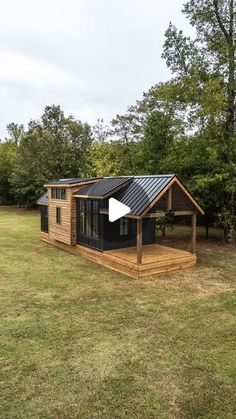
x=139 y=240
x=194 y=225
x=169 y=200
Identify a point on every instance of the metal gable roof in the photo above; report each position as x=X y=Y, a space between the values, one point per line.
x=102 y=187
x=43 y=200
x=141 y=191
x=137 y=192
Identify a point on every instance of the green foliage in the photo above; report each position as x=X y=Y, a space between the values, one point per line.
x=54 y=147
x=113 y=158
x=7 y=158
x=157 y=142
x=15 y=132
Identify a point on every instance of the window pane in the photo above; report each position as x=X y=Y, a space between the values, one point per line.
x=81 y=205
x=58 y=215
x=95 y=206
x=95 y=225
x=88 y=224
x=124 y=223
x=63 y=193
x=88 y=206
x=82 y=223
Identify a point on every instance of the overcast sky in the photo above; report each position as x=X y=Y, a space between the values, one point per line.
x=93 y=57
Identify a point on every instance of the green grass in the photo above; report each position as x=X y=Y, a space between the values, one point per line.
x=81 y=341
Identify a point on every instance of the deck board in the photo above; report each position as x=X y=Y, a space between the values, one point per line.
x=150 y=253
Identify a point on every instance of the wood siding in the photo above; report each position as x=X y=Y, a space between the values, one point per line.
x=180 y=201
x=64 y=232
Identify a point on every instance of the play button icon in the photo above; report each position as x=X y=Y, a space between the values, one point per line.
x=117 y=209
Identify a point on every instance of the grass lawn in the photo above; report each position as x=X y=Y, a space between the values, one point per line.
x=81 y=341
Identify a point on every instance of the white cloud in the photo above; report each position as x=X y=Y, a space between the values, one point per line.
x=95 y=57
x=27 y=71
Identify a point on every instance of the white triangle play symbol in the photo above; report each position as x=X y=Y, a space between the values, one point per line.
x=117 y=209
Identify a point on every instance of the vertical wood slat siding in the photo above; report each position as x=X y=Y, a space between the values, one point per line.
x=180 y=202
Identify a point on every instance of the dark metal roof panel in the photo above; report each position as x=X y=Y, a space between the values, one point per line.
x=43 y=200
x=103 y=186
x=141 y=191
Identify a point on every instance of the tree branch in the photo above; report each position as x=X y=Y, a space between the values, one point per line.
x=221 y=25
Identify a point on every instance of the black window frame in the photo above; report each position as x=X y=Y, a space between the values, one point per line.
x=44 y=218
x=58 y=215
x=58 y=193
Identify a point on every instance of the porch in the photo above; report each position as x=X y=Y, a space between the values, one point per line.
x=156 y=260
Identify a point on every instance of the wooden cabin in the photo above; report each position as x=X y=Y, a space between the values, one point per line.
x=74 y=217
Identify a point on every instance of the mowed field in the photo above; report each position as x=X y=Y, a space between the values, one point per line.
x=81 y=341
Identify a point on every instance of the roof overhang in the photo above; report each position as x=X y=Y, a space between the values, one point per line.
x=43 y=200
x=70 y=185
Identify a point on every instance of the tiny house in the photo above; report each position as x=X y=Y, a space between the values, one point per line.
x=74 y=217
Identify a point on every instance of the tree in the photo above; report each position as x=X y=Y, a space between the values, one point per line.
x=16 y=132
x=159 y=133
x=53 y=147
x=101 y=131
x=7 y=158
x=111 y=159
x=202 y=66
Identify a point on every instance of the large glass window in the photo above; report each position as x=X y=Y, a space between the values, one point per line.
x=58 y=193
x=88 y=218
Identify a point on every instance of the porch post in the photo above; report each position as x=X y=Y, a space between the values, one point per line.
x=169 y=200
x=139 y=240
x=193 y=239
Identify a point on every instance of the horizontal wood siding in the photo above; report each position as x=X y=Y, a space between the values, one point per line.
x=64 y=232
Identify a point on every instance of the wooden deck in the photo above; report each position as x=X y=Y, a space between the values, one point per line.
x=156 y=260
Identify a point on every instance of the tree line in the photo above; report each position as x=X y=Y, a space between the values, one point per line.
x=184 y=126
